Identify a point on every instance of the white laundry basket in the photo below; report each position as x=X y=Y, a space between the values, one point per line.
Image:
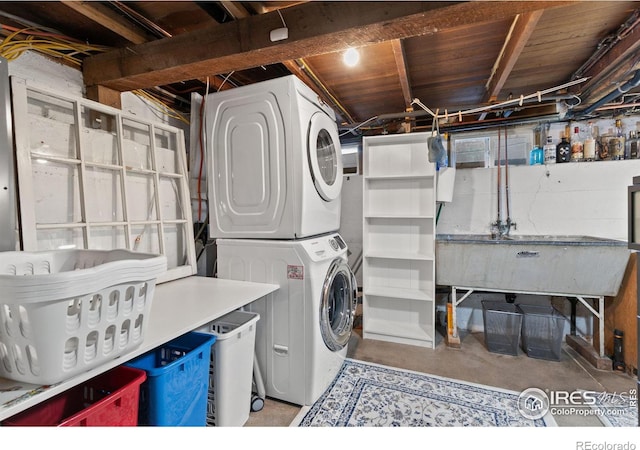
x=231 y=370
x=63 y=312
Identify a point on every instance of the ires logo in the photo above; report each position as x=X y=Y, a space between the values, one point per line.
x=534 y=403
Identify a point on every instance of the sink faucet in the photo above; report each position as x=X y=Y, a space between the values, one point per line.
x=501 y=228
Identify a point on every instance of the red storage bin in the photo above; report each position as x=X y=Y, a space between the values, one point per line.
x=109 y=399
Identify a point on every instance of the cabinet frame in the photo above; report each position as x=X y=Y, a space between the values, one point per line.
x=399 y=213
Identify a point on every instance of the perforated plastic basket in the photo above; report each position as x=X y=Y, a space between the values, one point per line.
x=64 y=312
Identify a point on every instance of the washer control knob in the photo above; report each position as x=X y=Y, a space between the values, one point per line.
x=334 y=245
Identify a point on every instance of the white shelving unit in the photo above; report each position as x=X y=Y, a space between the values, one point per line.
x=399 y=198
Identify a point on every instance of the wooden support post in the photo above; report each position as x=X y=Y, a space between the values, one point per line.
x=105 y=96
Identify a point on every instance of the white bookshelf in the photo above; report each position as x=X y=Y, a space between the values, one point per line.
x=399 y=200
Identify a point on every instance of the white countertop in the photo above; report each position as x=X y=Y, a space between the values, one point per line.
x=178 y=307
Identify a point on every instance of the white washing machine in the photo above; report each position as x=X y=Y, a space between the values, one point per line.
x=304 y=328
x=274 y=163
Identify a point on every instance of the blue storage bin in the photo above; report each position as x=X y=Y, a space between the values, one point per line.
x=175 y=392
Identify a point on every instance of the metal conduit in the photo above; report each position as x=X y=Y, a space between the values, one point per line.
x=620 y=90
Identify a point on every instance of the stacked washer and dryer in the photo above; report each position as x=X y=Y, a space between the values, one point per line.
x=274 y=176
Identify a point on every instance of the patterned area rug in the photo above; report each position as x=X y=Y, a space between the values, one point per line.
x=366 y=394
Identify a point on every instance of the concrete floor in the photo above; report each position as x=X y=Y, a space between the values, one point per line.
x=474 y=363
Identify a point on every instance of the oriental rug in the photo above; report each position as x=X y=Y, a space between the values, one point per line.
x=368 y=394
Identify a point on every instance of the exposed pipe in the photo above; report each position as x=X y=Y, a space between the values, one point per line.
x=506 y=180
x=606 y=44
x=499 y=218
x=618 y=106
x=380 y=119
x=623 y=89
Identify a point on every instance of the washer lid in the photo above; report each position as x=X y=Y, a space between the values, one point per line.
x=338 y=305
x=325 y=157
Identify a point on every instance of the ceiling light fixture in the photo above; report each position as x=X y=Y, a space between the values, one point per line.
x=351 y=57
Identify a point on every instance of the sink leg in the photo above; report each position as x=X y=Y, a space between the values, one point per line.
x=574 y=302
x=453 y=340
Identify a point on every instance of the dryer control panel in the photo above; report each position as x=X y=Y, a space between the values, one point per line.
x=325 y=247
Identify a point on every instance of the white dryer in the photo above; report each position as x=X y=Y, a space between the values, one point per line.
x=304 y=328
x=274 y=163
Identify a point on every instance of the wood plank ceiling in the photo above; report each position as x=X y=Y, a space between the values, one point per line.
x=452 y=56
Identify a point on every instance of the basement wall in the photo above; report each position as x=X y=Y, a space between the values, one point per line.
x=67 y=80
x=588 y=198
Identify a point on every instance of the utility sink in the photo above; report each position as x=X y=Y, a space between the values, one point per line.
x=562 y=264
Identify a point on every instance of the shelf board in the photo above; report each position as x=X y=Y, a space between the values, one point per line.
x=400 y=255
x=400 y=216
x=401 y=293
x=402 y=333
x=407 y=176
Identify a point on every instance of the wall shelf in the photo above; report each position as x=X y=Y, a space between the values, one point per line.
x=407 y=294
x=399 y=198
x=409 y=176
x=413 y=256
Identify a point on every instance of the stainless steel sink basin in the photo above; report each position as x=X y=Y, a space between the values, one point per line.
x=571 y=265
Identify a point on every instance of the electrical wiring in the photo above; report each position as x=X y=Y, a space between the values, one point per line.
x=163 y=107
x=360 y=125
x=223 y=81
x=201 y=136
x=68 y=49
x=30 y=31
x=47 y=43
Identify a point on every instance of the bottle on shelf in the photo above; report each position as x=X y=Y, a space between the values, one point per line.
x=536 y=156
x=595 y=132
x=577 y=146
x=632 y=145
x=589 y=144
x=604 y=152
x=563 y=150
x=549 y=151
x=616 y=142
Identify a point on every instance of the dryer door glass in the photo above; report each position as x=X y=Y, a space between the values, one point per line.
x=338 y=305
x=325 y=157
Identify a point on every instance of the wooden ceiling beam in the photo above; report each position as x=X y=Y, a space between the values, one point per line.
x=314 y=28
x=109 y=20
x=521 y=30
x=401 y=64
x=236 y=9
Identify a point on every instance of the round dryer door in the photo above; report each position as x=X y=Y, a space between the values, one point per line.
x=338 y=305
x=325 y=157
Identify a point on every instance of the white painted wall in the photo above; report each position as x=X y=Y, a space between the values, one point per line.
x=351 y=220
x=587 y=198
x=45 y=72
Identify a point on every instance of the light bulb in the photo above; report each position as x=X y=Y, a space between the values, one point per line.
x=351 y=57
